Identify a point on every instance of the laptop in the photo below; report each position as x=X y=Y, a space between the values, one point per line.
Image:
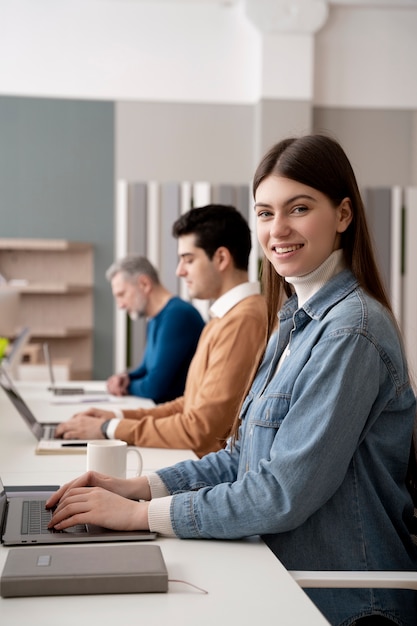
x=44 y=432
x=24 y=521
x=13 y=359
x=73 y=570
x=65 y=390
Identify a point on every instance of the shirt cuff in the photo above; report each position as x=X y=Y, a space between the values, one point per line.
x=118 y=413
x=157 y=486
x=159 y=516
x=111 y=428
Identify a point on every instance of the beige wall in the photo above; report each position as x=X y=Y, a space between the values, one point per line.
x=223 y=143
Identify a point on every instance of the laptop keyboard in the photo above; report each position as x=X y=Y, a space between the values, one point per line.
x=35 y=519
x=49 y=432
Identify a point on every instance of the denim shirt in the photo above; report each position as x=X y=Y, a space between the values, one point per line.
x=319 y=466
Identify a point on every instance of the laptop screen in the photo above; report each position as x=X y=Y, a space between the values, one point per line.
x=18 y=402
x=3 y=508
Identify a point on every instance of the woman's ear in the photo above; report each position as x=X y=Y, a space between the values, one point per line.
x=345 y=215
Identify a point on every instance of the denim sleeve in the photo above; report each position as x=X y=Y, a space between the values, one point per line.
x=210 y=470
x=294 y=463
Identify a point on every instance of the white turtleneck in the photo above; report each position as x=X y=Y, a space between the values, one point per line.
x=309 y=284
x=306 y=286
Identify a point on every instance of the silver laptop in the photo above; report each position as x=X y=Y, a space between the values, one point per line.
x=65 y=390
x=24 y=521
x=43 y=431
x=73 y=570
x=13 y=359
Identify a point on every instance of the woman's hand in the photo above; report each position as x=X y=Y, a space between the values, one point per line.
x=103 y=500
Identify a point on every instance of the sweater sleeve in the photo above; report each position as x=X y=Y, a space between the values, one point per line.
x=232 y=349
x=172 y=339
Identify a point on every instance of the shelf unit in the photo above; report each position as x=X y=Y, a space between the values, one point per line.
x=55 y=281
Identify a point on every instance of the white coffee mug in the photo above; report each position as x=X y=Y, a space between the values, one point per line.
x=109 y=456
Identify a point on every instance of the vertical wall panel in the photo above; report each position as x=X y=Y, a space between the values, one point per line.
x=410 y=280
x=244 y=200
x=121 y=249
x=136 y=244
x=224 y=194
x=152 y=231
x=170 y=212
x=146 y=212
x=397 y=248
x=137 y=219
x=378 y=208
x=201 y=194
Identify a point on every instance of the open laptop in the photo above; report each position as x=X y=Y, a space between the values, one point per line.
x=24 y=521
x=67 y=390
x=13 y=359
x=44 y=432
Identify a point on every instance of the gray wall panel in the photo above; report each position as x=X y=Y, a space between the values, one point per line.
x=137 y=225
x=378 y=209
x=178 y=141
x=137 y=219
x=57 y=181
x=277 y=119
x=379 y=143
x=170 y=212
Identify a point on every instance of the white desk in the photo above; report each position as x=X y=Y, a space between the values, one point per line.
x=245 y=582
x=18 y=456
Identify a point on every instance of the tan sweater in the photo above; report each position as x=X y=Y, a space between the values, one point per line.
x=227 y=354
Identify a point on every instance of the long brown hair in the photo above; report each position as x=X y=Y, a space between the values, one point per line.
x=320 y=162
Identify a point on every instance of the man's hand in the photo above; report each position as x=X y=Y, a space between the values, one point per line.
x=103 y=500
x=85 y=425
x=118 y=384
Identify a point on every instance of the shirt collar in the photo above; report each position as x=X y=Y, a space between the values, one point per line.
x=337 y=288
x=228 y=300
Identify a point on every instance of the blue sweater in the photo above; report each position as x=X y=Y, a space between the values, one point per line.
x=171 y=339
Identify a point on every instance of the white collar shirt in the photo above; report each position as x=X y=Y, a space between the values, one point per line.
x=228 y=300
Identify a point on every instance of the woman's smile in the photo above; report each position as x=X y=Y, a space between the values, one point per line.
x=298 y=227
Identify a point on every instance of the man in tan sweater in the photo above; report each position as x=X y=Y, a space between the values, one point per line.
x=213 y=247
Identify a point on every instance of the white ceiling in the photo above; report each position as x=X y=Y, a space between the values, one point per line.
x=394 y=4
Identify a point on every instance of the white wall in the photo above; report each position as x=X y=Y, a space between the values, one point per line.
x=367 y=58
x=198 y=52
x=125 y=50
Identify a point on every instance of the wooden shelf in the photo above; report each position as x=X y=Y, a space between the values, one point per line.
x=44 y=245
x=51 y=288
x=55 y=280
x=42 y=333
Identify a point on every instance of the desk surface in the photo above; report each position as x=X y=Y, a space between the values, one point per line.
x=21 y=443
x=244 y=580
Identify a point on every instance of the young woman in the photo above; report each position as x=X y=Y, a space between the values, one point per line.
x=318 y=458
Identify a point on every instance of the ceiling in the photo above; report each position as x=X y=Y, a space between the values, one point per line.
x=394 y=4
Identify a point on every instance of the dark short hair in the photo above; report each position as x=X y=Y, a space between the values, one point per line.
x=217 y=225
x=132 y=266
